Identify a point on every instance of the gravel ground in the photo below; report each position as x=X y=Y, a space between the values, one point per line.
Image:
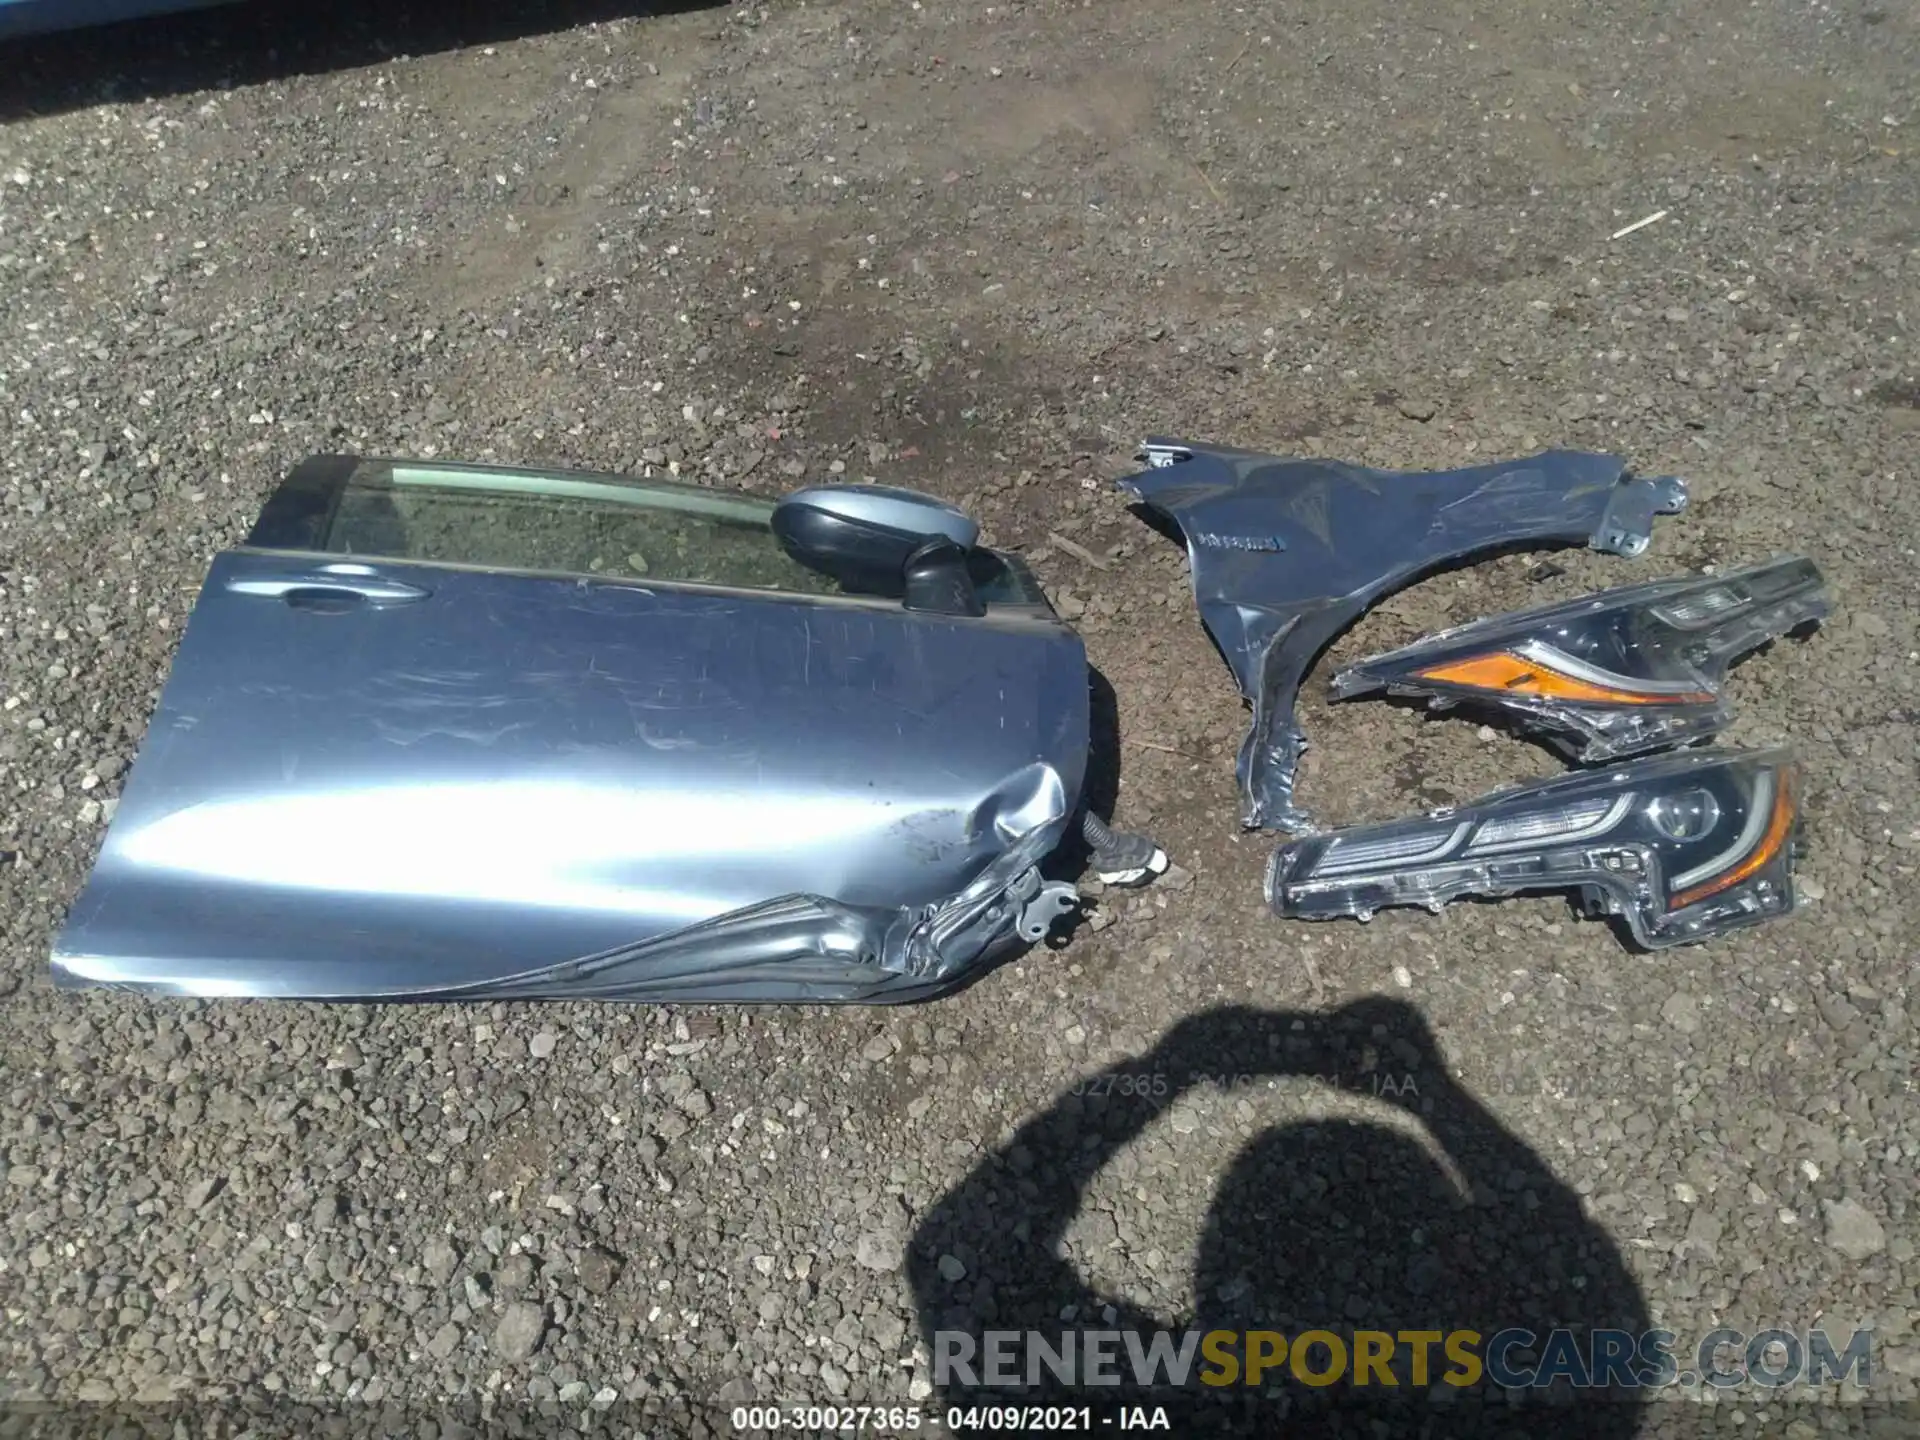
x=979 y=250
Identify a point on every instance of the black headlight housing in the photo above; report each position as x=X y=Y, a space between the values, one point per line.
x=1681 y=847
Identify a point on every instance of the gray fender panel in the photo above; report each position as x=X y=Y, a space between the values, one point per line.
x=1286 y=554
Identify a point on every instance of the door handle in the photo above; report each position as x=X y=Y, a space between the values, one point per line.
x=341 y=582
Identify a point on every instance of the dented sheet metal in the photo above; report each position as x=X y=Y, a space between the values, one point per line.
x=382 y=778
x=1286 y=554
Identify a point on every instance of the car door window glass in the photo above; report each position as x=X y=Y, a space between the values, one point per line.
x=575 y=522
x=554 y=521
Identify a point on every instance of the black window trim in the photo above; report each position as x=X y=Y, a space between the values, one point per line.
x=299 y=515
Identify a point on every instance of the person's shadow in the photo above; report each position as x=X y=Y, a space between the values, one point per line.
x=1334 y=1225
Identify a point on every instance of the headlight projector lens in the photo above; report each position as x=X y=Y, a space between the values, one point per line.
x=1686 y=816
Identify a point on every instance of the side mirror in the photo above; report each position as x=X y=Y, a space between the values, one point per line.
x=878 y=540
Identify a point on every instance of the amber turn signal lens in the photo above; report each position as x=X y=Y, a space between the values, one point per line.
x=1772 y=841
x=1509 y=674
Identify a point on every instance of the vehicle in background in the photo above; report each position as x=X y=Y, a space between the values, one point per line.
x=43 y=17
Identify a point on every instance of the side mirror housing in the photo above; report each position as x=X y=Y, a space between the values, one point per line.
x=879 y=540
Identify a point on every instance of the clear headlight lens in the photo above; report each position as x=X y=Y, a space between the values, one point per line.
x=1624 y=672
x=1682 y=847
x=1579 y=820
x=1357 y=853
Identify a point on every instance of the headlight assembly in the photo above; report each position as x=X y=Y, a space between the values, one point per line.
x=1620 y=673
x=1682 y=847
